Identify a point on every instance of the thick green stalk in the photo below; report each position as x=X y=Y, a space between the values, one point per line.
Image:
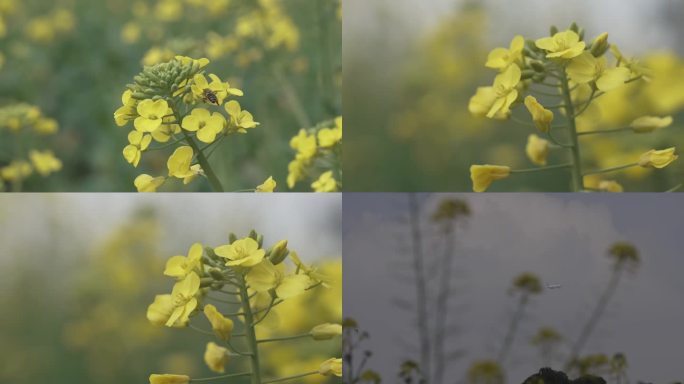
x=204 y=163
x=578 y=180
x=250 y=335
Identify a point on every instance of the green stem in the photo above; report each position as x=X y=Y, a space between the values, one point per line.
x=606 y=170
x=250 y=335
x=604 y=131
x=221 y=377
x=577 y=178
x=540 y=169
x=284 y=338
x=204 y=163
x=290 y=377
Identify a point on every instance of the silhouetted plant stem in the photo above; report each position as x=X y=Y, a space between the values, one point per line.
x=512 y=328
x=442 y=301
x=421 y=293
x=595 y=315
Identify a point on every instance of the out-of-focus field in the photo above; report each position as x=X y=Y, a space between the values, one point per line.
x=407 y=88
x=78 y=278
x=73 y=59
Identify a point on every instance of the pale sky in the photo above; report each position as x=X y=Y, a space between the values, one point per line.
x=561 y=237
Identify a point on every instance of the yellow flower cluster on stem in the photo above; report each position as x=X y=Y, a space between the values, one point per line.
x=173 y=103
x=560 y=72
x=251 y=280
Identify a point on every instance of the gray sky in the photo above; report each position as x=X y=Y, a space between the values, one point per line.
x=310 y=222
x=635 y=25
x=561 y=237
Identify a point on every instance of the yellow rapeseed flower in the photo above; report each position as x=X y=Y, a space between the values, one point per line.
x=179 y=162
x=16 y=170
x=240 y=120
x=128 y=110
x=216 y=357
x=221 y=325
x=45 y=162
x=265 y=276
x=564 y=45
x=150 y=113
x=646 y=124
x=586 y=68
x=501 y=95
x=207 y=124
x=244 y=252
x=267 y=186
x=305 y=144
x=541 y=116
x=658 y=158
x=331 y=367
x=483 y=175
x=46 y=126
x=537 y=149
x=180 y=266
x=159 y=312
x=501 y=58
x=219 y=88
x=147 y=183
x=328 y=137
x=325 y=183
x=169 y=379
x=138 y=143
x=184 y=300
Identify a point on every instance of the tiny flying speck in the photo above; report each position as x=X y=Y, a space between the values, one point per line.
x=553 y=286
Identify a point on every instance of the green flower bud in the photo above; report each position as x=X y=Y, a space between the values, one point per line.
x=253 y=234
x=574 y=27
x=325 y=331
x=231 y=238
x=553 y=30
x=537 y=66
x=210 y=253
x=216 y=274
x=600 y=45
x=206 y=282
x=260 y=240
x=278 y=252
x=527 y=74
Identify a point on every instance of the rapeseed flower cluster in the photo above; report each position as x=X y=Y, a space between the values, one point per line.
x=175 y=104
x=235 y=287
x=318 y=157
x=23 y=128
x=559 y=78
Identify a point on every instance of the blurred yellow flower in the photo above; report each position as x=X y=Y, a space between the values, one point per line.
x=243 y=252
x=658 y=158
x=147 y=183
x=169 y=379
x=45 y=162
x=537 y=149
x=331 y=367
x=483 y=175
x=586 y=68
x=501 y=58
x=564 y=45
x=150 y=113
x=130 y=33
x=325 y=183
x=265 y=276
x=610 y=186
x=222 y=326
x=328 y=137
x=326 y=331
x=541 y=116
x=16 y=170
x=184 y=301
x=304 y=144
x=267 y=186
x=180 y=266
x=207 y=124
x=46 y=126
x=138 y=143
x=216 y=357
x=159 y=312
x=646 y=124
x=240 y=120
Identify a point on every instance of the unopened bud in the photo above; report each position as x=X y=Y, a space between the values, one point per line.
x=574 y=27
x=253 y=234
x=553 y=30
x=326 y=331
x=527 y=74
x=231 y=238
x=600 y=45
x=279 y=252
x=537 y=66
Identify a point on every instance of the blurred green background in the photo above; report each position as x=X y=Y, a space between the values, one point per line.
x=411 y=67
x=80 y=270
x=73 y=59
